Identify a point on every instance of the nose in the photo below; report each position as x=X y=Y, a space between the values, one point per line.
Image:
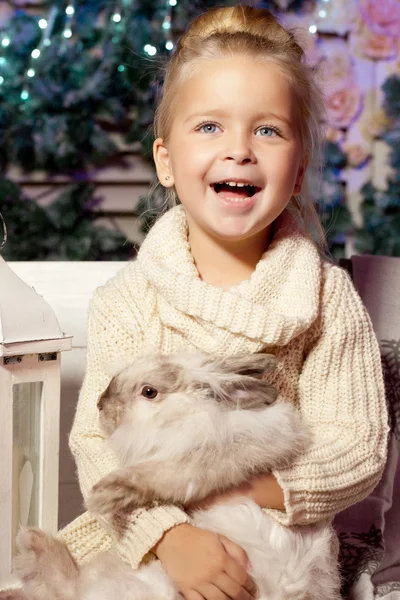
x=238 y=148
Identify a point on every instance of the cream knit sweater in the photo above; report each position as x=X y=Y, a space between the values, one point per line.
x=295 y=305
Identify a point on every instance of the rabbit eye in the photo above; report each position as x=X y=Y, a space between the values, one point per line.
x=149 y=392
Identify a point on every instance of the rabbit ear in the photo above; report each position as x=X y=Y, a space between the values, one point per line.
x=238 y=381
x=247 y=393
x=252 y=365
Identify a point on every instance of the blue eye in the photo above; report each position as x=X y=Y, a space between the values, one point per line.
x=271 y=131
x=207 y=125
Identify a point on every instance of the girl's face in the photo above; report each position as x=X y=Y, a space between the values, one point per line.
x=234 y=121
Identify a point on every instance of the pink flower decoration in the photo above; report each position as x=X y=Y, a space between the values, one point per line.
x=382 y=16
x=343 y=105
x=378 y=47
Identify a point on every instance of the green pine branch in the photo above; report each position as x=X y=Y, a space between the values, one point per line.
x=380 y=209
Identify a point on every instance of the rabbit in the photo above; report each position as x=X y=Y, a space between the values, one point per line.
x=185 y=426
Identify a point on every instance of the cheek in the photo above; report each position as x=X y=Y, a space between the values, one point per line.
x=283 y=166
x=189 y=162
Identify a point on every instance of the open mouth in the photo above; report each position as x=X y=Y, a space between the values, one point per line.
x=234 y=191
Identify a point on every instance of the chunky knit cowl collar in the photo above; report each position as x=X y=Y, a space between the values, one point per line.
x=278 y=302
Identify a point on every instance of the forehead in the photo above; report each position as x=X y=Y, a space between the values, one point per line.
x=237 y=87
x=161 y=373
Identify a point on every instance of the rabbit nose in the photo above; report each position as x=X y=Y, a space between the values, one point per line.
x=100 y=401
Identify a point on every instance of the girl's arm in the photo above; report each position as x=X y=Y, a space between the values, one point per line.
x=341 y=396
x=263 y=489
x=114 y=335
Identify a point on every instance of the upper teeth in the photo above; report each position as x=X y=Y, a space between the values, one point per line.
x=235 y=183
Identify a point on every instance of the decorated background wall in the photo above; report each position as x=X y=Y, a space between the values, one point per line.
x=77 y=96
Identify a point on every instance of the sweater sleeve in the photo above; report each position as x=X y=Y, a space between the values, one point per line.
x=114 y=337
x=341 y=396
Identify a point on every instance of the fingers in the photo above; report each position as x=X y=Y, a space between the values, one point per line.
x=233 y=589
x=235 y=551
x=193 y=595
x=223 y=588
x=240 y=576
x=209 y=591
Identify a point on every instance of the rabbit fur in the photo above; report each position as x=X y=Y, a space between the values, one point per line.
x=185 y=426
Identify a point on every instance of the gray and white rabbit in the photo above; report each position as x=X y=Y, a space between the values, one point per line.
x=185 y=426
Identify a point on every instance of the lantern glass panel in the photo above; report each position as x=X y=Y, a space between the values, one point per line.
x=27 y=407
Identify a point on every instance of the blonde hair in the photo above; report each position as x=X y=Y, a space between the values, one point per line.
x=254 y=32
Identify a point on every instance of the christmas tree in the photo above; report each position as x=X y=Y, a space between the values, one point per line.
x=76 y=76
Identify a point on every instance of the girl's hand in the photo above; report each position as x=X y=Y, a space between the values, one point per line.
x=204 y=565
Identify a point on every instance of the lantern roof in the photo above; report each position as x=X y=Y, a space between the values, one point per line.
x=27 y=323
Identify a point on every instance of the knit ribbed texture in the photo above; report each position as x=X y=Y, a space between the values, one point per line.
x=296 y=305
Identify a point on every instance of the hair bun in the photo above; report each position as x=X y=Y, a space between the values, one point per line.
x=258 y=22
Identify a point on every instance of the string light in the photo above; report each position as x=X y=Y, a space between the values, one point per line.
x=166 y=27
x=67 y=31
x=167 y=24
x=151 y=50
x=3 y=63
x=319 y=14
x=47 y=25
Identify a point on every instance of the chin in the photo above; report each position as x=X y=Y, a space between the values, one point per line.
x=237 y=231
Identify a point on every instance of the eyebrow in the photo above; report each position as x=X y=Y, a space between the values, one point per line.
x=221 y=113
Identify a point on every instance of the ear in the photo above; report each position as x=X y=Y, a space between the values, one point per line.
x=241 y=384
x=162 y=162
x=300 y=175
x=247 y=393
x=252 y=365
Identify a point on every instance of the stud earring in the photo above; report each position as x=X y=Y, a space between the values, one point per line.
x=167 y=177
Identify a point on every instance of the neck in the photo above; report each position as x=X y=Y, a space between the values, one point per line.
x=225 y=264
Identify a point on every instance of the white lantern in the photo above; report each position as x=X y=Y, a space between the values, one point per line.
x=30 y=345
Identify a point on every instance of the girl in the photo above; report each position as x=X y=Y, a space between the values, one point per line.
x=233 y=269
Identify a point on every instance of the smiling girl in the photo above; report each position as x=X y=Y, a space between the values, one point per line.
x=233 y=268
